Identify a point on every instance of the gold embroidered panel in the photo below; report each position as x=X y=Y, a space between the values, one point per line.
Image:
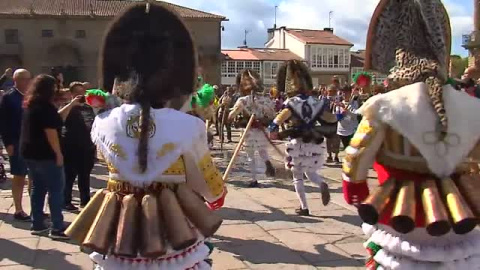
x=211 y=174
x=177 y=168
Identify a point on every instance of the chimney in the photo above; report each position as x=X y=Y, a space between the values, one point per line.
x=328 y=29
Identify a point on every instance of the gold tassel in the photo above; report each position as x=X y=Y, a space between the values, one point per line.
x=436 y=217
x=403 y=216
x=153 y=241
x=206 y=221
x=462 y=217
x=371 y=209
x=128 y=226
x=78 y=230
x=102 y=232
x=179 y=233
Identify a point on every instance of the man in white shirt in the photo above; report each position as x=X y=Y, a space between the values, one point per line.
x=347 y=119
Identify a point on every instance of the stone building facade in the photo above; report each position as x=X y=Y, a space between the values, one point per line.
x=67 y=34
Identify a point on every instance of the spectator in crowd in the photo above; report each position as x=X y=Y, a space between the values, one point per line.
x=40 y=146
x=78 y=148
x=323 y=92
x=3 y=174
x=62 y=98
x=11 y=111
x=6 y=80
x=347 y=119
x=2 y=93
x=58 y=77
x=333 y=141
x=226 y=102
x=336 y=82
x=87 y=85
x=468 y=85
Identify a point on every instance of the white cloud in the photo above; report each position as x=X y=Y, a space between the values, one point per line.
x=350 y=18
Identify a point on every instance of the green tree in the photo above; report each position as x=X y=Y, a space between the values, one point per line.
x=458 y=65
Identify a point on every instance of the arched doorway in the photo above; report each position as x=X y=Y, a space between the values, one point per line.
x=65 y=57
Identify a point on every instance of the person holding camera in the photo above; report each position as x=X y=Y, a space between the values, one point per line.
x=346 y=116
x=40 y=147
x=333 y=140
x=78 y=148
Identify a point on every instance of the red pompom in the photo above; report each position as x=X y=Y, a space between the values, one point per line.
x=95 y=101
x=363 y=80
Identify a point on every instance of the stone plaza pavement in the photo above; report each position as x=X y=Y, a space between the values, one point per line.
x=260 y=230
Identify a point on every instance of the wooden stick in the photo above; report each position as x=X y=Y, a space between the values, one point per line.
x=237 y=149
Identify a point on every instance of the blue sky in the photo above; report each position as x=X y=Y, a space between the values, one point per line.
x=350 y=18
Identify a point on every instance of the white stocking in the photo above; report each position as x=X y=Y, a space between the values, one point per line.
x=315 y=177
x=253 y=166
x=300 y=188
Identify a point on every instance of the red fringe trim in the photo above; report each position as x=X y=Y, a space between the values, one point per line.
x=144 y=260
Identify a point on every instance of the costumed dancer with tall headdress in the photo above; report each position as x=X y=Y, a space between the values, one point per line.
x=305 y=150
x=424 y=213
x=250 y=85
x=156 y=211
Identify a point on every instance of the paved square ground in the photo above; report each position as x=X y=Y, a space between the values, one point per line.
x=260 y=230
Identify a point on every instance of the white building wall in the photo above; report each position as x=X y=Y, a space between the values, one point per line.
x=295 y=46
x=228 y=81
x=283 y=40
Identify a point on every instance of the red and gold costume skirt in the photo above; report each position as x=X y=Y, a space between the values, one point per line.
x=416 y=221
x=162 y=226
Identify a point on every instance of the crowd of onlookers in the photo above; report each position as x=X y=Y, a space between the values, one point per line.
x=343 y=101
x=45 y=130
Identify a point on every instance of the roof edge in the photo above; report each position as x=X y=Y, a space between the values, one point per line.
x=214 y=16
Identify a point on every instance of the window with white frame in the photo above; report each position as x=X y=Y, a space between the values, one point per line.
x=232 y=68
x=256 y=67
x=240 y=66
x=270 y=70
x=330 y=57
x=224 y=67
